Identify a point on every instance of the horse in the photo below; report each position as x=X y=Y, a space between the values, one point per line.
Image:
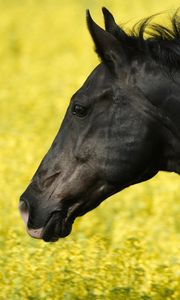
x=121 y=127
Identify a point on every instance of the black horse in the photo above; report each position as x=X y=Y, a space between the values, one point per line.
x=121 y=127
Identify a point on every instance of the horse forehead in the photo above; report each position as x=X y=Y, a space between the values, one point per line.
x=99 y=78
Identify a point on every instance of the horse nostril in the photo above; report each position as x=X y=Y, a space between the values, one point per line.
x=23 y=206
x=24 y=210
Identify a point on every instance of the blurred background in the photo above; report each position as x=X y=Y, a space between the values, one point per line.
x=129 y=247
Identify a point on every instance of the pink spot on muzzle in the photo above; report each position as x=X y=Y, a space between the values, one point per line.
x=35 y=233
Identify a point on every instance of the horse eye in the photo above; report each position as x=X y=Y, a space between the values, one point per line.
x=79 y=110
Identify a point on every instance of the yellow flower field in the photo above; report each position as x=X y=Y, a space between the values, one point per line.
x=127 y=248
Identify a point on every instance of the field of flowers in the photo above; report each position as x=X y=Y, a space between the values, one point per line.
x=129 y=247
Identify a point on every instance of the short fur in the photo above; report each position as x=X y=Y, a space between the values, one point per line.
x=121 y=127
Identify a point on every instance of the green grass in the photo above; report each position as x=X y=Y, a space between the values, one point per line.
x=129 y=247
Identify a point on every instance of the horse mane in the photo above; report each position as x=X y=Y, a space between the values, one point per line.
x=161 y=43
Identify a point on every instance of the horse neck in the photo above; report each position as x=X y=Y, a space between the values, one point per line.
x=164 y=93
x=169 y=105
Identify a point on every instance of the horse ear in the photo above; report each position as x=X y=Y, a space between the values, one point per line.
x=112 y=27
x=107 y=46
x=110 y=24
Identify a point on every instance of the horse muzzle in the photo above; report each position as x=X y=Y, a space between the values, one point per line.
x=24 y=211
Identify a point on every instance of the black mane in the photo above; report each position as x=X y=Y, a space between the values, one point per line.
x=161 y=43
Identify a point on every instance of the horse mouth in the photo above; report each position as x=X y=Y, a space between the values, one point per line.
x=59 y=223
x=56 y=227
